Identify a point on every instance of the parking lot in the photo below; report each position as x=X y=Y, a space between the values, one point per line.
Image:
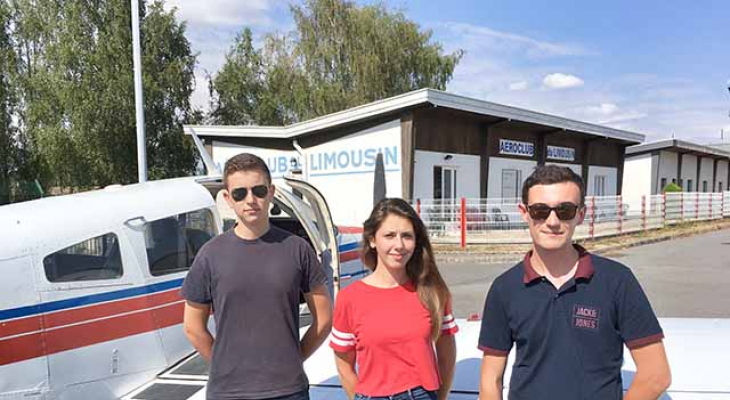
x=685 y=277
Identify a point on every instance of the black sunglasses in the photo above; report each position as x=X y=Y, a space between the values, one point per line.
x=564 y=211
x=240 y=193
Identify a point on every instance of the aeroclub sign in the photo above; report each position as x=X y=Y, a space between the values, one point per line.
x=516 y=148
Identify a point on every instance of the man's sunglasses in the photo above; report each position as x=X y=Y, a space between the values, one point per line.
x=240 y=193
x=564 y=211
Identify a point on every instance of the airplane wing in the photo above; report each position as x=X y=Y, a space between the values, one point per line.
x=697 y=349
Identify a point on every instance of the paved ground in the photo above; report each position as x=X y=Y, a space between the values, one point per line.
x=687 y=277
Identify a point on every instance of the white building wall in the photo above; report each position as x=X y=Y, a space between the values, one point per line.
x=707 y=166
x=348 y=186
x=637 y=180
x=611 y=180
x=343 y=169
x=689 y=171
x=497 y=165
x=721 y=181
x=667 y=168
x=467 y=173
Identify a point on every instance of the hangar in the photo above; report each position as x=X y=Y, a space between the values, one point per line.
x=435 y=145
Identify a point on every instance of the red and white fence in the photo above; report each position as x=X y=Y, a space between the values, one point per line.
x=499 y=221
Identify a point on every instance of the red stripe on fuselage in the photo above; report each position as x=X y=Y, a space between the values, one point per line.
x=19 y=326
x=104 y=330
x=108 y=309
x=350 y=229
x=67 y=338
x=349 y=256
x=76 y=315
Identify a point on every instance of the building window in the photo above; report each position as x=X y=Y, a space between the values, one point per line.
x=599 y=185
x=704 y=186
x=689 y=187
x=173 y=242
x=719 y=186
x=511 y=181
x=444 y=183
x=437 y=183
x=93 y=259
x=663 y=184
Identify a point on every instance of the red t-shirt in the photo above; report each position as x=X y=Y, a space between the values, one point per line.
x=391 y=332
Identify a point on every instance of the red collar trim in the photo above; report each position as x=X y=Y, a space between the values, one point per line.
x=585 y=266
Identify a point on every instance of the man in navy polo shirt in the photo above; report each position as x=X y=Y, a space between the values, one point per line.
x=569 y=312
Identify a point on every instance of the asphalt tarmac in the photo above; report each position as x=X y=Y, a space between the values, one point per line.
x=687 y=277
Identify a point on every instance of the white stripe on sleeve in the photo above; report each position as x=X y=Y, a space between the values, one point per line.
x=343 y=343
x=448 y=326
x=342 y=335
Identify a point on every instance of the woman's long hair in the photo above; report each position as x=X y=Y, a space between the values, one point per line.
x=421 y=268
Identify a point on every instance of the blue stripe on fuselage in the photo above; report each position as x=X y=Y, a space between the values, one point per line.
x=87 y=300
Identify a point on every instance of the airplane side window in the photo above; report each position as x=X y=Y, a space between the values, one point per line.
x=173 y=242
x=93 y=259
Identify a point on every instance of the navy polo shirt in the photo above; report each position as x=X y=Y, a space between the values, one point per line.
x=569 y=340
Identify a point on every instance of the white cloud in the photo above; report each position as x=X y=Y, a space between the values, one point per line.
x=610 y=114
x=561 y=81
x=603 y=109
x=219 y=13
x=474 y=34
x=518 y=86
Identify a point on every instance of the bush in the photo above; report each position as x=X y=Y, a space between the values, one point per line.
x=672 y=188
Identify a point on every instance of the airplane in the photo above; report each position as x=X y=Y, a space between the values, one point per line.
x=89 y=301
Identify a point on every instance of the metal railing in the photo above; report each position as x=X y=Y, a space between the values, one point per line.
x=498 y=220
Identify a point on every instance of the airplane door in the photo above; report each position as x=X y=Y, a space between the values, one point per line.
x=99 y=328
x=325 y=229
x=23 y=363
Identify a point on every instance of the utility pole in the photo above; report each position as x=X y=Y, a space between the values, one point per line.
x=138 y=95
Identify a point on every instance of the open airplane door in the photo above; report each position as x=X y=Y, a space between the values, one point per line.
x=316 y=219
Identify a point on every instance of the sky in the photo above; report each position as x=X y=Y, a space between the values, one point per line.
x=653 y=67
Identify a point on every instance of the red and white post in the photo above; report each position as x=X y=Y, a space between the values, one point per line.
x=463 y=223
x=697 y=206
x=620 y=211
x=592 y=224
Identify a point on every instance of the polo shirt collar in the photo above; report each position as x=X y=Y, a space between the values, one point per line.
x=584 y=270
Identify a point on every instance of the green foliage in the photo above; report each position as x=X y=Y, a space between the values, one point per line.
x=8 y=145
x=340 y=55
x=672 y=188
x=76 y=91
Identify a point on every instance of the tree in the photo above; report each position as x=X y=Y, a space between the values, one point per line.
x=8 y=146
x=242 y=75
x=340 y=55
x=77 y=90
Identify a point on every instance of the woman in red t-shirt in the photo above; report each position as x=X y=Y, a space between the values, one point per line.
x=390 y=322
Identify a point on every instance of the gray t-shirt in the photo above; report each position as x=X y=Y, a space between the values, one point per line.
x=253 y=287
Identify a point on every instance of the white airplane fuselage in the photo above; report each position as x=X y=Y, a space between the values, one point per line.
x=89 y=296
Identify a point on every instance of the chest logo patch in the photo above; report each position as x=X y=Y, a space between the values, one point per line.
x=585 y=317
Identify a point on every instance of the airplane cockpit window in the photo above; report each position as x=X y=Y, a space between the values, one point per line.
x=173 y=242
x=93 y=259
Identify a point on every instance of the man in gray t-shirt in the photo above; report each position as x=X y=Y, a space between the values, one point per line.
x=251 y=278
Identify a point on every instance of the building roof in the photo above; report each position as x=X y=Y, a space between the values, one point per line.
x=679 y=146
x=724 y=146
x=408 y=100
